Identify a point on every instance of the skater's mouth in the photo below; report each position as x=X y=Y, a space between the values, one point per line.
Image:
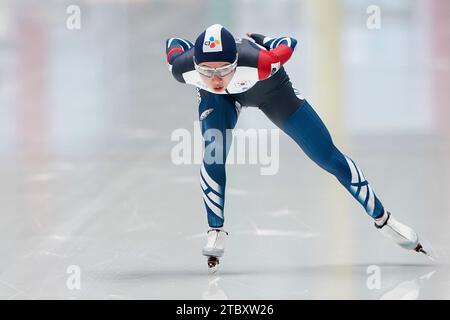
x=218 y=89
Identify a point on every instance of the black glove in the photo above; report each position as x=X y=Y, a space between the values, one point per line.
x=259 y=38
x=178 y=42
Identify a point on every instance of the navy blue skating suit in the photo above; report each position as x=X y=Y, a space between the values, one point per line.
x=260 y=80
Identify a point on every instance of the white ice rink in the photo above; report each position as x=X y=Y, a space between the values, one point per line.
x=86 y=177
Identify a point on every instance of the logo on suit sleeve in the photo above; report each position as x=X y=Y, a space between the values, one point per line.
x=274 y=67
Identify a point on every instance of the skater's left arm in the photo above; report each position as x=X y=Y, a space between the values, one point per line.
x=282 y=47
x=278 y=52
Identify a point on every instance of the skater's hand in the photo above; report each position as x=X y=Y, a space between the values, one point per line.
x=258 y=38
x=184 y=44
x=268 y=42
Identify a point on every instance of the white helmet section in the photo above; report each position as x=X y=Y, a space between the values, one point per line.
x=213 y=39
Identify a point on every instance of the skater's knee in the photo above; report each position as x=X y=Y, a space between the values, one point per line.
x=214 y=154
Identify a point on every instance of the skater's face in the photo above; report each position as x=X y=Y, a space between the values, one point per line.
x=219 y=80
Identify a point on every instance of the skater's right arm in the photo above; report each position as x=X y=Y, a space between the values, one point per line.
x=179 y=53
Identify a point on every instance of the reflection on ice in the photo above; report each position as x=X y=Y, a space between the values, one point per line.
x=214 y=291
x=407 y=290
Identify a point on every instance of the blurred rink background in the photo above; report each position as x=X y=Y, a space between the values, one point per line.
x=87 y=182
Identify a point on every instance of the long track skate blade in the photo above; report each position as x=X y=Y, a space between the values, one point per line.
x=213 y=270
x=420 y=249
x=429 y=256
x=213 y=265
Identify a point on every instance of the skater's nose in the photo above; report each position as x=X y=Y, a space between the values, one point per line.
x=217 y=80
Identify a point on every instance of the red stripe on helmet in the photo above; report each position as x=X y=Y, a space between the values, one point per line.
x=172 y=51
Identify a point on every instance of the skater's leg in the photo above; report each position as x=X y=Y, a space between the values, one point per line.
x=218 y=115
x=299 y=120
x=310 y=133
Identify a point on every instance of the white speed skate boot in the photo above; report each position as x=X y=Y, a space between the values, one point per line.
x=214 y=248
x=403 y=235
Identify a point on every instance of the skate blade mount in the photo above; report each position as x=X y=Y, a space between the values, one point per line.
x=213 y=264
x=420 y=249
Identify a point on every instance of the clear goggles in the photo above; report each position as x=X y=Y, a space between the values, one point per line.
x=220 y=72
